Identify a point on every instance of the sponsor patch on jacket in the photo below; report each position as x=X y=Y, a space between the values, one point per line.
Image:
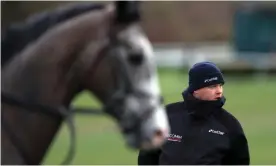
x=174 y=137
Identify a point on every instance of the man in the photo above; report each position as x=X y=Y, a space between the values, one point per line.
x=202 y=132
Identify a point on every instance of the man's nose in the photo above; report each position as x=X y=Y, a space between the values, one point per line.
x=219 y=90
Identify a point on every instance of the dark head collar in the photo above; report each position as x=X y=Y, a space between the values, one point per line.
x=201 y=108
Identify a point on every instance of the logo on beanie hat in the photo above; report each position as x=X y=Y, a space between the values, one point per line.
x=211 y=79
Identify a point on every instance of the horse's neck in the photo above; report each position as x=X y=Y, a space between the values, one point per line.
x=46 y=65
x=40 y=83
x=40 y=75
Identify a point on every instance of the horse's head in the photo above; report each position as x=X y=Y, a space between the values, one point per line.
x=127 y=83
x=104 y=51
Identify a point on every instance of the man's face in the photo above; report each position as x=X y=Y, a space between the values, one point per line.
x=212 y=92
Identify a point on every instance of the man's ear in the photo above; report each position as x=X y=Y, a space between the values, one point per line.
x=196 y=94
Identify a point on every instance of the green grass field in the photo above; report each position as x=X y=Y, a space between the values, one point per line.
x=251 y=100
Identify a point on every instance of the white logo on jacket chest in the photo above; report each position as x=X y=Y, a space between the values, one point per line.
x=216 y=132
x=174 y=137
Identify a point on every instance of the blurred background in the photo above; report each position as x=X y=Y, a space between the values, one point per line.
x=239 y=36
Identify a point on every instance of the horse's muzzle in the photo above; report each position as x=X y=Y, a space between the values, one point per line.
x=150 y=132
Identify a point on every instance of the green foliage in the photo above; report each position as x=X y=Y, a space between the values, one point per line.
x=252 y=101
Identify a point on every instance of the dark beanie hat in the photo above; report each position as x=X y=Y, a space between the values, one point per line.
x=204 y=74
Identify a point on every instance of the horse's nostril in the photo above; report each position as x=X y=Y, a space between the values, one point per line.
x=158 y=133
x=159 y=137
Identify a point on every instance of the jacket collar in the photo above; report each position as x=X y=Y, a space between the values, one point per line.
x=201 y=108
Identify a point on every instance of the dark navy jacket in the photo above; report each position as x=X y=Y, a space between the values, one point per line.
x=202 y=132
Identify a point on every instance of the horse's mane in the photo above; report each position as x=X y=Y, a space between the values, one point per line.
x=18 y=35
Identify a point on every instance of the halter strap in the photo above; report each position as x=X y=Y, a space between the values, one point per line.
x=50 y=111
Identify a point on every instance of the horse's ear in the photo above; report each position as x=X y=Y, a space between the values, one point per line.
x=127 y=11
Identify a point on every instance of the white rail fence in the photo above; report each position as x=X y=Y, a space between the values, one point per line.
x=185 y=55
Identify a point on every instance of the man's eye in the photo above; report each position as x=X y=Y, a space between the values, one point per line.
x=212 y=86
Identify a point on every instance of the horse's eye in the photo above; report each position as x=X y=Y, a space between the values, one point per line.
x=135 y=58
